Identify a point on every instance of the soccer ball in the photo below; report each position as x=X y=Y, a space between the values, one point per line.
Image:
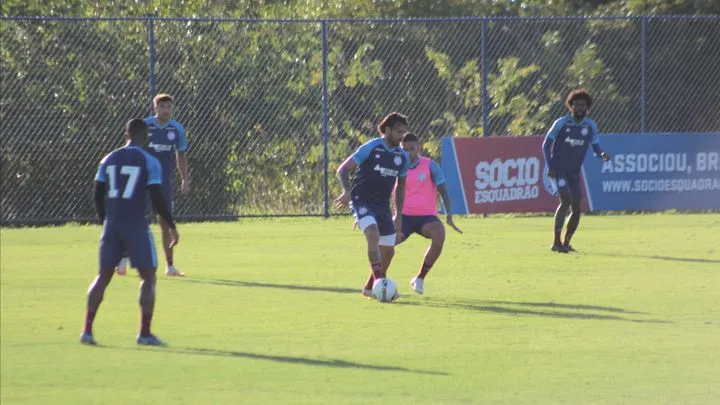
x=385 y=290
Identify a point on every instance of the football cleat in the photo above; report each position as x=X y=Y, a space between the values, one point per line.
x=87 y=339
x=149 y=340
x=417 y=285
x=173 y=272
x=121 y=268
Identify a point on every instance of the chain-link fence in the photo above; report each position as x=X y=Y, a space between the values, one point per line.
x=272 y=107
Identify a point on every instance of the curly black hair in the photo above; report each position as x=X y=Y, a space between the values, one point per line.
x=578 y=94
x=391 y=120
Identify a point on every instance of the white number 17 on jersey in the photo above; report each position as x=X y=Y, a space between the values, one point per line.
x=133 y=173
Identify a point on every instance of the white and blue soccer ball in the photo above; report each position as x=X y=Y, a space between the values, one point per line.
x=385 y=290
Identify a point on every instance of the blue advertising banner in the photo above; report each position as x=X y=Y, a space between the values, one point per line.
x=655 y=172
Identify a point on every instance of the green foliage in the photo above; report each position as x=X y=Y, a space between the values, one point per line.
x=240 y=85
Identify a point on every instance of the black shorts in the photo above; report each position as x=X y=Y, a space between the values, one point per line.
x=414 y=223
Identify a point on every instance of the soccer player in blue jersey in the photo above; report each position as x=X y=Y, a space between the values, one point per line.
x=123 y=181
x=564 y=148
x=378 y=165
x=168 y=144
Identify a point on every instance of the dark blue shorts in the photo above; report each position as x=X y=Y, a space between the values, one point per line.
x=570 y=183
x=167 y=193
x=365 y=213
x=135 y=243
x=414 y=223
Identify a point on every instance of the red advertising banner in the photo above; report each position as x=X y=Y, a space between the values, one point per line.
x=505 y=174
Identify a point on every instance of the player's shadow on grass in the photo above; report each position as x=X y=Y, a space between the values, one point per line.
x=499 y=307
x=251 y=284
x=520 y=309
x=656 y=257
x=296 y=360
x=580 y=307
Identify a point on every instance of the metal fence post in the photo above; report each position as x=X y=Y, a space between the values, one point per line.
x=325 y=119
x=151 y=44
x=644 y=77
x=483 y=44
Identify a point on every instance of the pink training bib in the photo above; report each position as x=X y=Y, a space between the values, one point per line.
x=420 y=190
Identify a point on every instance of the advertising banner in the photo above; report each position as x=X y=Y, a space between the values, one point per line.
x=647 y=172
x=497 y=174
x=656 y=172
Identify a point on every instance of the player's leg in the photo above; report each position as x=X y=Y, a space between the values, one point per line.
x=372 y=236
x=143 y=255
x=409 y=226
x=365 y=218
x=110 y=252
x=576 y=212
x=147 y=306
x=388 y=237
x=560 y=213
x=434 y=230
x=170 y=269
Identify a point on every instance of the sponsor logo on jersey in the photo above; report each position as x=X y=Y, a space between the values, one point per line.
x=385 y=172
x=575 y=142
x=160 y=148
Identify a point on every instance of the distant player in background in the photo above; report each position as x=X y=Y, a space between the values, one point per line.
x=419 y=213
x=122 y=183
x=564 y=148
x=168 y=144
x=378 y=165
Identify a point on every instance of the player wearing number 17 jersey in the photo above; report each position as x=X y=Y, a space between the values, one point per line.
x=123 y=181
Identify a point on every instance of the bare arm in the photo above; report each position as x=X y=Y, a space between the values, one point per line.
x=343 y=173
x=442 y=189
x=100 y=200
x=182 y=165
x=400 y=196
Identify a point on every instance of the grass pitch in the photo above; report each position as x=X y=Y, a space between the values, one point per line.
x=271 y=312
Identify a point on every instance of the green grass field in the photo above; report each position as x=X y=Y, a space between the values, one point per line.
x=271 y=312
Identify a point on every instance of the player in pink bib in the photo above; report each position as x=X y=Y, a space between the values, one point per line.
x=423 y=182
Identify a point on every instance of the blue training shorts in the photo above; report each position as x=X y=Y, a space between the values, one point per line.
x=167 y=193
x=136 y=243
x=365 y=213
x=571 y=183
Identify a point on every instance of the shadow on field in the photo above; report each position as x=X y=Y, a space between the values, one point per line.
x=547 y=309
x=294 y=360
x=656 y=257
x=564 y=306
x=238 y=283
x=520 y=308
